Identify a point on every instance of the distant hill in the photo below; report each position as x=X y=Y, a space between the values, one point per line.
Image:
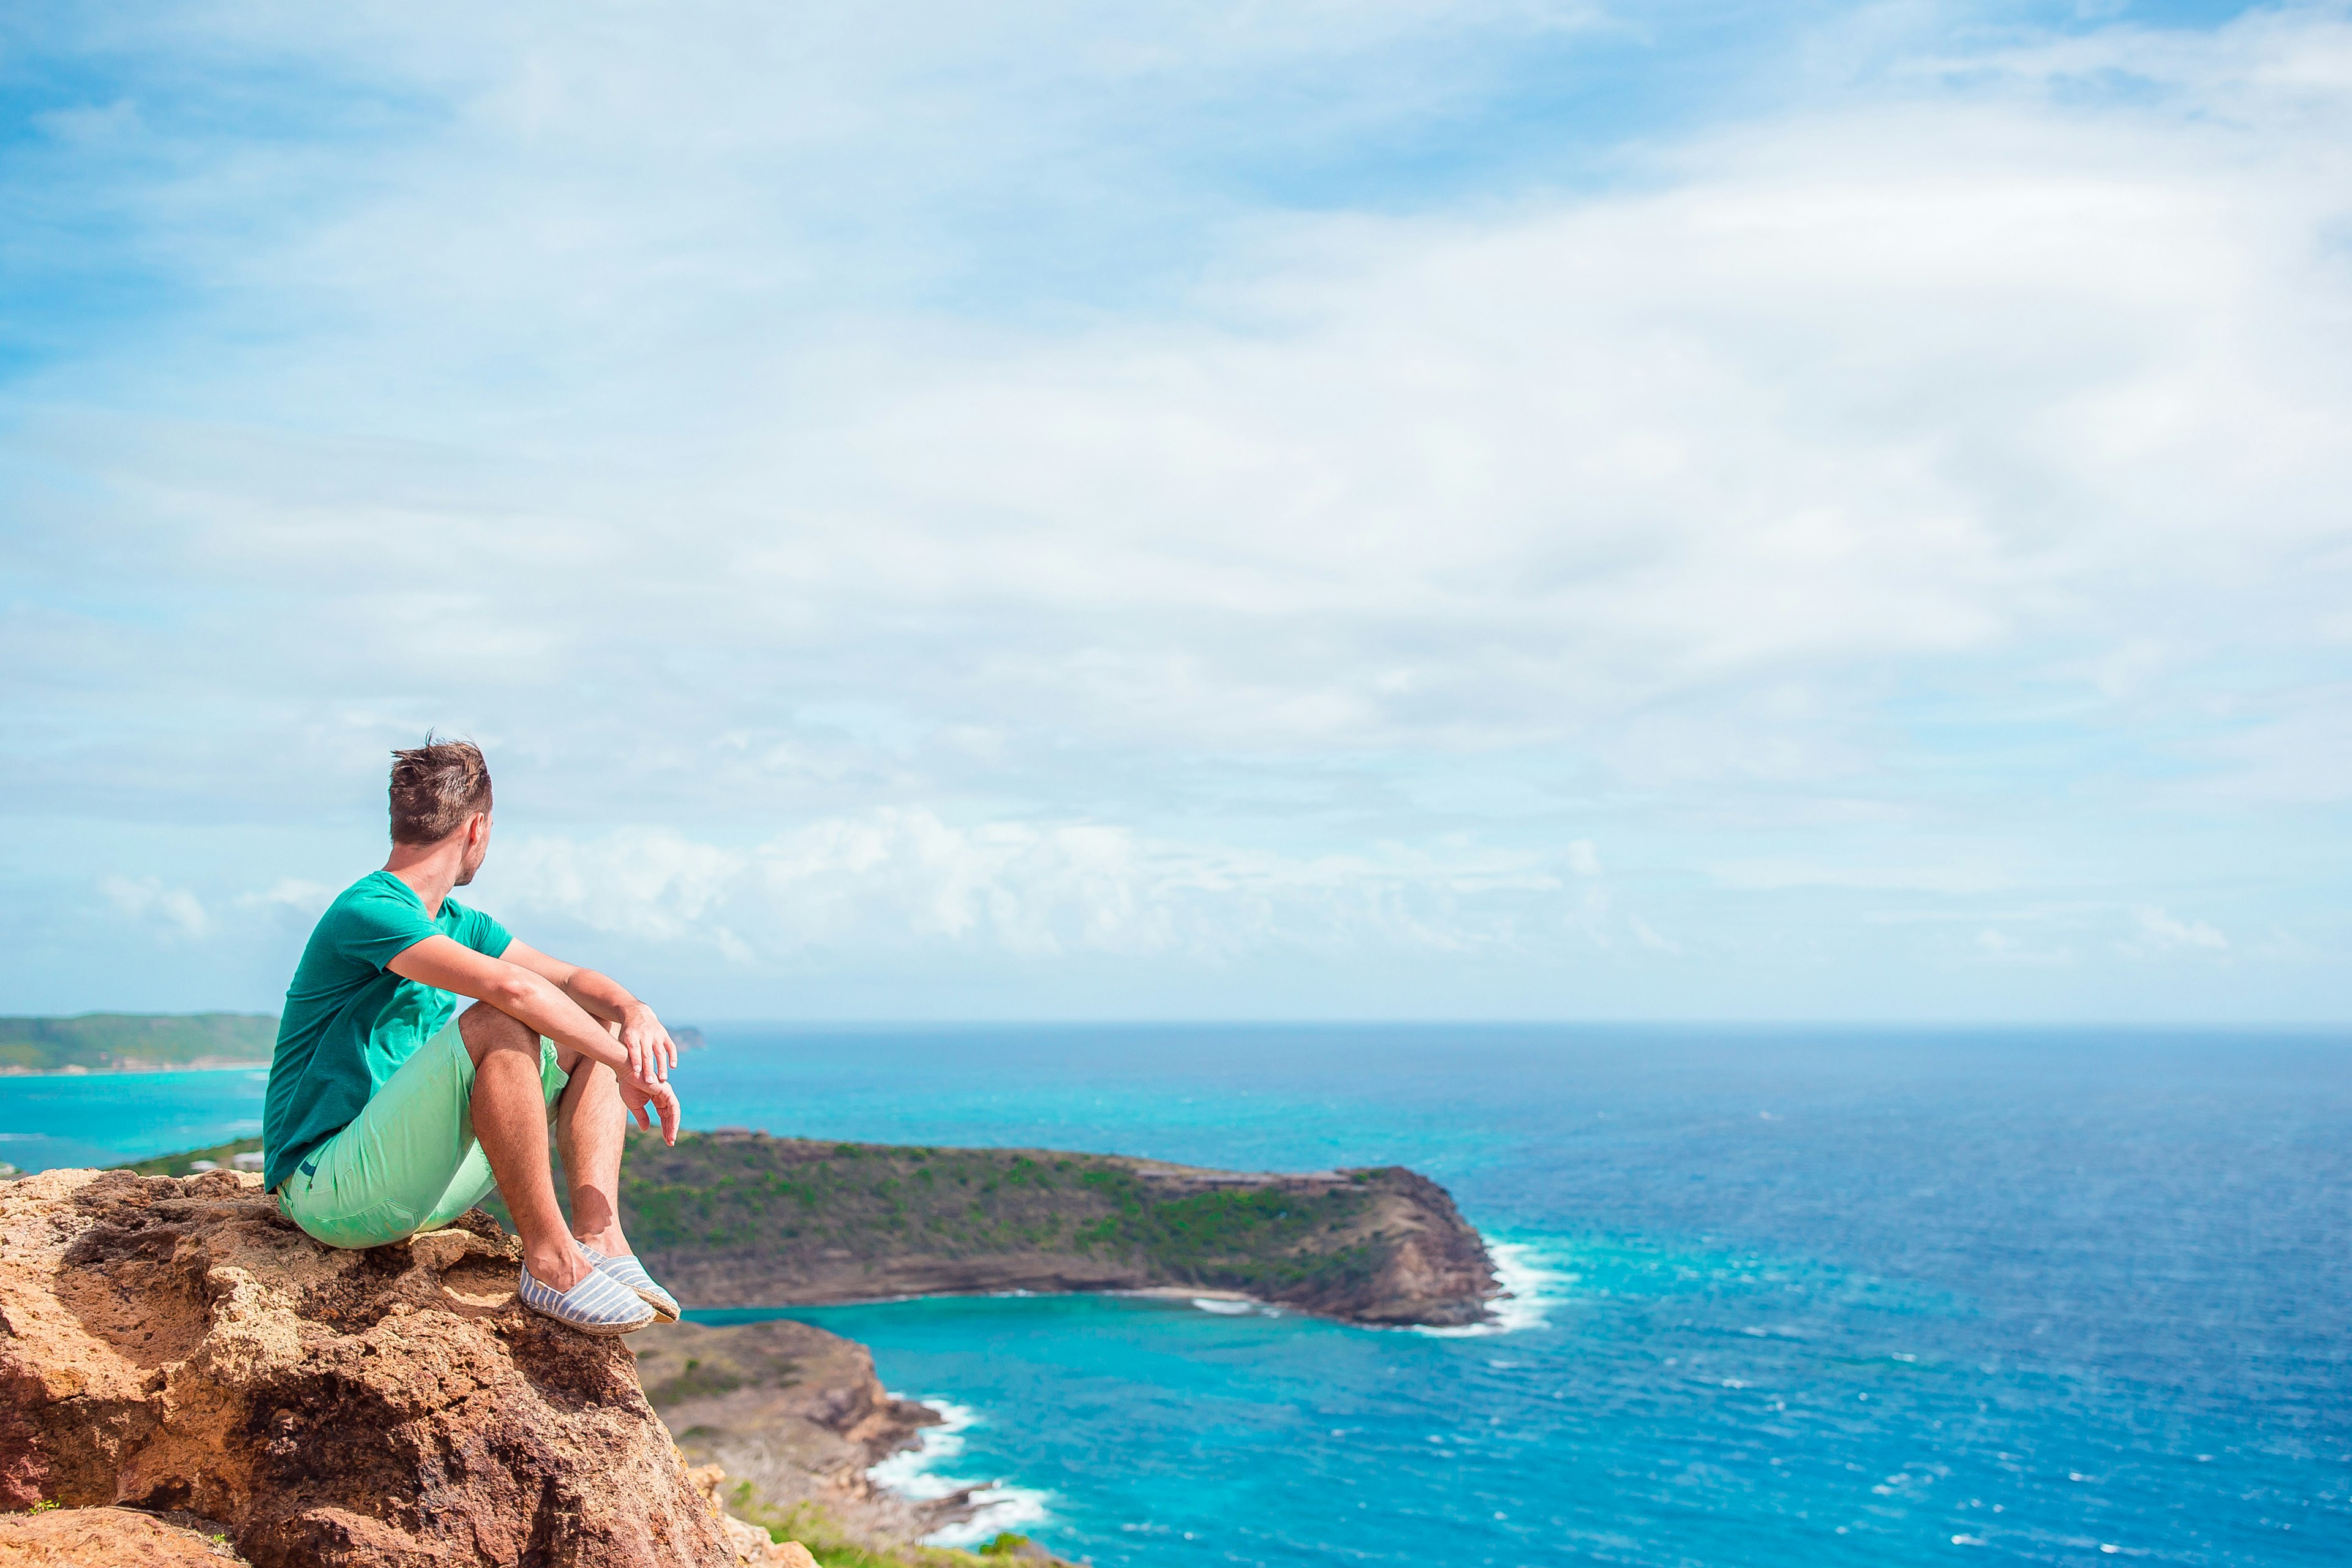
x=145 y=1042
x=135 y=1042
x=184 y=1163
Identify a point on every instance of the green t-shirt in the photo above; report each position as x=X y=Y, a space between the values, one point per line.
x=349 y=1021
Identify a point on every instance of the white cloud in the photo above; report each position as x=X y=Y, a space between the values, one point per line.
x=1998 y=947
x=1674 y=474
x=2159 y=932
x=2298 y=753
x=146 y=899
x=291 y=893
x=1649 y=937
x=1776 y=873
x=698 y=414
x=898 y=878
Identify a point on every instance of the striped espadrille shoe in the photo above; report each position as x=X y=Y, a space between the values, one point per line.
x=599 y=1304
x=629 y=1271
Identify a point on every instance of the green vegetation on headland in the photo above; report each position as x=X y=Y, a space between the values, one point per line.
x=740 y=1217
x=135 y=1042
x=184 y=1163
x=874 y=1202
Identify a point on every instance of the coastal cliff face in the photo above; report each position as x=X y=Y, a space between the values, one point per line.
x=795 y=1417
x=744 y=1219
x=174 y=1345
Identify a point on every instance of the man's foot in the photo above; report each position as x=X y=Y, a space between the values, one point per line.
x=597 y=1305
x=626 y=1270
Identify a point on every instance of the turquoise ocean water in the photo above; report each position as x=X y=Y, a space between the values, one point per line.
x=1786 y=1295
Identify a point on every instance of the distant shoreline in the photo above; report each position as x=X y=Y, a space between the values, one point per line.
x=76 y=1069
x=135 y=1043
x=91 y=1043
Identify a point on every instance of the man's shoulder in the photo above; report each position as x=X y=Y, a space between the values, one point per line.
x=375 y=900
x=376 y=886
x=351 y=931
x=477 y=929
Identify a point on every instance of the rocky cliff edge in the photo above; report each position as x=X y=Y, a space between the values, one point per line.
x=174 y=1346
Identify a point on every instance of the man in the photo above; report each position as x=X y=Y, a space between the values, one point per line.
x=390 y=1114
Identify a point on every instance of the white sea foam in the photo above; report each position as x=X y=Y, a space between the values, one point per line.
x=1001 y=1508
x=916 y=1473
x=1532 y=1285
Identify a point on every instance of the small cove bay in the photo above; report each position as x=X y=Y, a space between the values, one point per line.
x=1786 y=1295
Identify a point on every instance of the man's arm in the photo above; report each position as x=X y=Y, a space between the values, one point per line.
x=540 y=1004
x=651 y=1051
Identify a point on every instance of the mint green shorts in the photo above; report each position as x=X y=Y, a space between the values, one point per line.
x=409 y=1162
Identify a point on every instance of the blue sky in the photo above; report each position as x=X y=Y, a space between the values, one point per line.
x=1378 y=510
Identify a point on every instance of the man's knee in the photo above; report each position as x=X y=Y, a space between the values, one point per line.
x=486 y=1029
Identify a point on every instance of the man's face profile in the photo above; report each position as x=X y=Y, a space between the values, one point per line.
x=476 y=849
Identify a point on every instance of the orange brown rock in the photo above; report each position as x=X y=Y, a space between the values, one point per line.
x=174 y=1343
x=103 y=1538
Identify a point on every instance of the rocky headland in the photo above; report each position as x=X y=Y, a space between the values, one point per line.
x=742 y=1218
x=794 y=1418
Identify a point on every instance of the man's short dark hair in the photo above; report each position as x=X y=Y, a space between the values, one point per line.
x=435 y=788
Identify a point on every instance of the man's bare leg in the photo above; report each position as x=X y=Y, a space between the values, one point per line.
x=592 y=1128
x=510 y=1108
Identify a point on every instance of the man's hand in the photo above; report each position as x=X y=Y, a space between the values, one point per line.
x=652 y=1053
x=656 y=1097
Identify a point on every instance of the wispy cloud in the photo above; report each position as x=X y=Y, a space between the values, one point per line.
x=174 y=911
x=2159 y=932
x=898 y=878
x=1099 y=482
x=1775 y=874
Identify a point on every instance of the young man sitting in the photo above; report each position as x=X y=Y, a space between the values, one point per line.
x=389 y=1112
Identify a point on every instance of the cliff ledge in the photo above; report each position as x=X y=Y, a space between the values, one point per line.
x=174 y=1346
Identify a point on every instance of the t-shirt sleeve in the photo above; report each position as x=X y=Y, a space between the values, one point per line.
x=376 y=928
x=481 y=932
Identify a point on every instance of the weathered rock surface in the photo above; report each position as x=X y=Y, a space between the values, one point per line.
x=740 y=1218
x=754 y=1547
x=105 y=1538
x=791 y=1418
x=174 y=1343
x=797 y=1416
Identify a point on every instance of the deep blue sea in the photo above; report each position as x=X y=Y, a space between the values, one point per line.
x=1788 y=1296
